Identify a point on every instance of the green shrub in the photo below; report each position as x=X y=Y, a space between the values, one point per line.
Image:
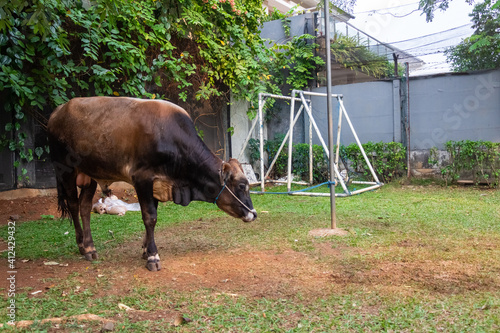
x=387 y=159
x=480 y=158
x=271 y=147
x=301 y=162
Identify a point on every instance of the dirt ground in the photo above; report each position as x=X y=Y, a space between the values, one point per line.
x=239 y=272
x=32 y=208
x=254 y=274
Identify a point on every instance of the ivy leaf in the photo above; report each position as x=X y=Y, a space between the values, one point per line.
x=158 y=80
x=5 y=60
x=482 y=42
x=19 y=115
x=39 y=152
x=3 y=39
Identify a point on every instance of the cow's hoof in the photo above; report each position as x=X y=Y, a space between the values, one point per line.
x=153 y=263
x=91 y=256
x=153 y=266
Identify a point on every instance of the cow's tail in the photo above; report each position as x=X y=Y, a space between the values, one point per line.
x=62 y=200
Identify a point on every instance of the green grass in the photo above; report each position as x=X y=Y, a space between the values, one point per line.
x=419 y=228
x=355 y=312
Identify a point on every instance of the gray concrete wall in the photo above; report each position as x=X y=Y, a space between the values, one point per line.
x=299 y=25
x=442 y=108
x=241 y=124
x=454 y=107
x=371 y=109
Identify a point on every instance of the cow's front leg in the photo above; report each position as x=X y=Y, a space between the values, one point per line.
x=149 y=207
x=86 y=195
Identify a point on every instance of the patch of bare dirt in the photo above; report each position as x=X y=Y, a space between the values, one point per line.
x=27 y=209
x=452 y=276
x=258 y=274
x=32 y=209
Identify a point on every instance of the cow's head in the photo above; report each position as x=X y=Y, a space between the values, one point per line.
x=234 y=197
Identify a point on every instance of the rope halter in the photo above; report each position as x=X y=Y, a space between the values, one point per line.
x=229 y=190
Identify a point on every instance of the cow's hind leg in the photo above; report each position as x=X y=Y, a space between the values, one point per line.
x=149 y=206
x=67 y=193
x=86 y=194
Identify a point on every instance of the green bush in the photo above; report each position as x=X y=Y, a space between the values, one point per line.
x=301 y=162
x=480 y=159
x=387 y=159
x=271 y=147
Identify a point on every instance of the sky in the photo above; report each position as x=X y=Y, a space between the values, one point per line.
x=401 y=24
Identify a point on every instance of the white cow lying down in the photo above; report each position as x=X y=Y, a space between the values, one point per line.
x=114 y=206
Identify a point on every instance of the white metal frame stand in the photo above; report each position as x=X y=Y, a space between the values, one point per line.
x=299 y=95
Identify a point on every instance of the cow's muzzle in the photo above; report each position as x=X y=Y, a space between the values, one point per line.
x=251 y=213
x=251 y=216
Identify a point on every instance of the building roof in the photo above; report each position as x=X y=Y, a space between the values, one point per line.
x=284 y=6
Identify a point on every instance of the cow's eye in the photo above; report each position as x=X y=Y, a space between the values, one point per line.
x=243 y=187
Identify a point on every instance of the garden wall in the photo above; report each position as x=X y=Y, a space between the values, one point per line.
x=442 y=107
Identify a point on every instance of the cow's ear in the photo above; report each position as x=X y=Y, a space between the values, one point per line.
x=236 y=163
x=225 y=173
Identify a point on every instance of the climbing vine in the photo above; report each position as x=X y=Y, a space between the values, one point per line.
x=52 y=51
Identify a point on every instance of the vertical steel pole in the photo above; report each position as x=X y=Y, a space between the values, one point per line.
x=311 y=158
x=290 y=143
x=408 y=149
x=330 y=112
x=261 y=144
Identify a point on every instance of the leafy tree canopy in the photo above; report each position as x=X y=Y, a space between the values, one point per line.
x=429 y=7
x=51 y=51
x=482 y=49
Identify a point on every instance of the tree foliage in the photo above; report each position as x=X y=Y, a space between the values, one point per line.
x=482 y=49
x=350 y=53
x=51 y=51
x=429 y=7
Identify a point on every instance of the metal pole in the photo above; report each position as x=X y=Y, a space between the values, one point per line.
x=330 y=112
x=290 y=143
x=408 y=119
x=261 y=144
x=309 y=113
x=254 y=122
x=339 y=130
x=310 y=151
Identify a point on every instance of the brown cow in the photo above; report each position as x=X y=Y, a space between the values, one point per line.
x=150 y=144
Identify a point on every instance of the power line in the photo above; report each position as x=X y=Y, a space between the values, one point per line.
x=387 y=8
x=400 y=16
x=430 y=35
x=431 y=43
